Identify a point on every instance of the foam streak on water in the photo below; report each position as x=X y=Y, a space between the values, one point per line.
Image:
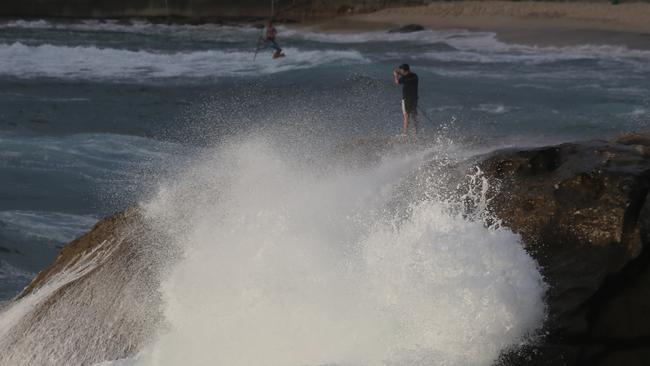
x=57 y=227
x=288 y=265
x=92 y=63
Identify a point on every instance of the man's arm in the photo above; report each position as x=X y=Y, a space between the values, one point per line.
x=396 y=77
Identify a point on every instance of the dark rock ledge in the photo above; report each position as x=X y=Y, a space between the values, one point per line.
x=582 y=210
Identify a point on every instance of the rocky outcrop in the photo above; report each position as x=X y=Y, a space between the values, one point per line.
x=102 y=286
x=582 y=211
x=106 y=240
x=195 y=10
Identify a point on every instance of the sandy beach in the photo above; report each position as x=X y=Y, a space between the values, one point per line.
x=534 y=23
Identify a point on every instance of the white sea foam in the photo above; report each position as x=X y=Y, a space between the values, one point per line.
x=30 y=24
x=638 y=118
x=426 y=36
x=10 y=274
x=110 y=64
x=93 y=154
x=639 y=111
x=462 y=39
x=55 y=226
x=535 y=55
x=291 y=262
x=493 y=108
x=460 y=46
x=473 y=46
x=288 y=265
x=131 y=26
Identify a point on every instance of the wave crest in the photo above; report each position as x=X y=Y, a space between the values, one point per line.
x=109 y=64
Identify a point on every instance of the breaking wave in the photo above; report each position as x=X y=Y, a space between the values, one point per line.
x=93 y=156
x=128 y=26
x=290 y=258
x=108 y=64
x=310 y=266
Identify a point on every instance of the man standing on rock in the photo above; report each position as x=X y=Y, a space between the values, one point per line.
x=409 y=82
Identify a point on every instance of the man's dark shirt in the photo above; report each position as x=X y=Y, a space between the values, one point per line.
x=409 y=84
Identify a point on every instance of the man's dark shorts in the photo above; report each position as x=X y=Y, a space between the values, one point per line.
x=410 y=106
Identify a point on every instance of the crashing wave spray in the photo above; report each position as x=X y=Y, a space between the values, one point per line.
x=288 y=264
x=285 y=262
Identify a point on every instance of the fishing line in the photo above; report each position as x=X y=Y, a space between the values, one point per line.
x=425 y=115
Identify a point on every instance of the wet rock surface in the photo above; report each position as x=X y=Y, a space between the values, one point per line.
x=102 y=286
x=582 y=211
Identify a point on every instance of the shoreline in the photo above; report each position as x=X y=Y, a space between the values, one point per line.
x=529 y=23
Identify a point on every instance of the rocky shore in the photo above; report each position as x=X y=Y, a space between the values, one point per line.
x=516 y=19
x=581 y=208
x=538 y=23
x=106 y=280
x=583 y=212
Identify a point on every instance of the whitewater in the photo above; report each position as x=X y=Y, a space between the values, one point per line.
x=288 y=261
x=283 y=222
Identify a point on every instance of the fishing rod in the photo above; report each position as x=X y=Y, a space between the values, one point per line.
x=425 y=115
x=259 y=39
x=441 y=126
x=259 y=42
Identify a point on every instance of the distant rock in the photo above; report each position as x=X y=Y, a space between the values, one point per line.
x=410 y=28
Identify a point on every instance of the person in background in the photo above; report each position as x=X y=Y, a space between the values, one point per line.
x=409 y=82
x=270 y=40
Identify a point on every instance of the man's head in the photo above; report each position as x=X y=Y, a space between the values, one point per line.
x=404 y=68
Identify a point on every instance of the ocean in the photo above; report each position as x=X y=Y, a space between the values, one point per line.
x=234 y=151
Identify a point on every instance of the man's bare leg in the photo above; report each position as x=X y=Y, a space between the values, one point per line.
x=415 y=122
x=405 y=129
x=415 y=127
